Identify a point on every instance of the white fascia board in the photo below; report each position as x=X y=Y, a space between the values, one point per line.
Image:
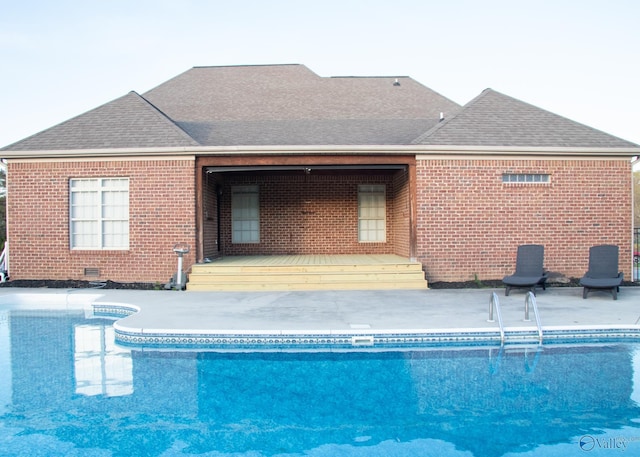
x=420 y=150
x=439 y=152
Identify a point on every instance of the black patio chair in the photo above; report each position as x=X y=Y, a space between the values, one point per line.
x=529 y=269
x=603 y=271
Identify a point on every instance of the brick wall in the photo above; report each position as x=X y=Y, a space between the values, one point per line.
x=307 y=214
x=470 y=223
x=161 y=213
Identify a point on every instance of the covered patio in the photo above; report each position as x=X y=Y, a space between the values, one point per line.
x=305 y=221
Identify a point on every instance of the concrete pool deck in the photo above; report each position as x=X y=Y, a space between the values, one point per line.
x=347 y=314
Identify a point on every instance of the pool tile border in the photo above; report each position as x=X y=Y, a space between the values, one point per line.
x=309 y=341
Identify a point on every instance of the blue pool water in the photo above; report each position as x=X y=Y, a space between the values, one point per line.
x=67 y=390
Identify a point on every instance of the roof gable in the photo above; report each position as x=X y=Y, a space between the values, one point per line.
x=289 y=104
x=126 y=122
x=495 y=119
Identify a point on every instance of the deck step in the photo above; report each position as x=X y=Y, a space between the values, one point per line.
x=238 y=276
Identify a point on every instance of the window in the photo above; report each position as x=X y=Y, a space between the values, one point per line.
x=535 y=178
x=372 y=219
x=99 y=213
x=245 y=214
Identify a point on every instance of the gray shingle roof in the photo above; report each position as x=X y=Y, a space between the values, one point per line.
x=495 y=119
x=291 y=105
x=307 y=131
x=127 y=122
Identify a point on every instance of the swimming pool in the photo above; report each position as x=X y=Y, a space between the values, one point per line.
x=68 y=389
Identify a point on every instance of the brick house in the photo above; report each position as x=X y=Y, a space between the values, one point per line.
x=276 y=160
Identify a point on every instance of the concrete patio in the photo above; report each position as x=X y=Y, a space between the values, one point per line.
x=344 y=313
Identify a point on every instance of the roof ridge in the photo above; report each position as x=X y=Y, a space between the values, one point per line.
x=63 y=123
x=164 y=116
x=371 y=76
x=554 y=114
x=252 y=65
x=136 y=122
x=444 y=121
x=487 y=122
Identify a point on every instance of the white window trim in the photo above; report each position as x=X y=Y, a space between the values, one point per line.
x=526 y=178
x=379 y=191
x=100 y=219
x=251 y=219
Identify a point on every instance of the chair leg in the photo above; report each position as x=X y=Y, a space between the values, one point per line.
x=506 y=291
x=584 y=292
x=614 y=292
x=541 y=283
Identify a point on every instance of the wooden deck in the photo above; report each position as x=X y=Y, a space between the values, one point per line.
x=307 y=272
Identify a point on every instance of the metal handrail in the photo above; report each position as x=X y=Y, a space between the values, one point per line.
x=494 y=304
x=4 y=263
x=530 y=301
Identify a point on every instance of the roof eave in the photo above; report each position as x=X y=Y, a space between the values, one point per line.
x=428 y=150
x=625 y=152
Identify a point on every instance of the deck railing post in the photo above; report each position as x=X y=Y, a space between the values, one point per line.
x=530 y=300
x=494 y=305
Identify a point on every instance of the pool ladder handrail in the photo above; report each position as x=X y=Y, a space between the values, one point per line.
x=494 y=305
x=530 y=302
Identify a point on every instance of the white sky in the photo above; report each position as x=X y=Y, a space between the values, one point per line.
x=579 y=59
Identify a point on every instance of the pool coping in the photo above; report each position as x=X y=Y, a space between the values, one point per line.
x=357 y=338
x=338 y=321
